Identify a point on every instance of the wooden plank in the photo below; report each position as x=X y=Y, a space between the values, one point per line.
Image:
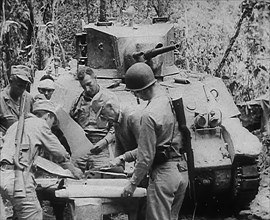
x=44 y=182
x=96 y=191
x=97 y=182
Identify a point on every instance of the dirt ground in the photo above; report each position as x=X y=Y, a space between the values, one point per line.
x=208 y=213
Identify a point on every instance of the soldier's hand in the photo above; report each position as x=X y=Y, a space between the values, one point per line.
x=116 y=161
x=81 y=162
x=99 y=146
x=77 y=173
x=128 y=190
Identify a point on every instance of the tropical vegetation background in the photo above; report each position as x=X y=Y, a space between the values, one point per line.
x=229 y=39
x=225 y=38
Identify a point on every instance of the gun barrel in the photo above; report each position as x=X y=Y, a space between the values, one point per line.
x=154 y=52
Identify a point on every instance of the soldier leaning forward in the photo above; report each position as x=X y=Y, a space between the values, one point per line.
x=37 y=136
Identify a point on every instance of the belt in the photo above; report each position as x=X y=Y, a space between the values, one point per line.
x=174 y=155
x=177 y=159
x=94 y=138
x=6 y=166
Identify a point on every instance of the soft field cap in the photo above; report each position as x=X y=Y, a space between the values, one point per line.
x=44 y=105
x=22 y=72
x=100 y=99
x=46 y=84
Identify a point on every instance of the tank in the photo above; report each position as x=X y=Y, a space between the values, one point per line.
x=225 y=153
x=224 y=160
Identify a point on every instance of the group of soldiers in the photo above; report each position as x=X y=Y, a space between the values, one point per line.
x=151 y=137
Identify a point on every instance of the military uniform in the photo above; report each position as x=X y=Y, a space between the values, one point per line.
x=168 y=180
x=37 y=136
x=127 y=130
x=96 y=129
x=9 y=110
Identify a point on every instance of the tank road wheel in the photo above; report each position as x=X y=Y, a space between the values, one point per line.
x=245 y=185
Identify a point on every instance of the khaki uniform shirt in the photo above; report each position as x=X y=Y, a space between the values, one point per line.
x=37 y=136
x=9 y=110
x=127 y=131
x=158 y=128
x=83 y=114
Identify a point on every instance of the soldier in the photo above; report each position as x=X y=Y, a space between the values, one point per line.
x=46 y=87
x=36 y=136
x=100 y=133
x=126 y=121
x=10 y=97
x=158 y=148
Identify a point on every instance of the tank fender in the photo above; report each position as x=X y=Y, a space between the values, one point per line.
x=240 y=141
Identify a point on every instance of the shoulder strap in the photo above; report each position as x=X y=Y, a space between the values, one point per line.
x=174 y=114
x=19 y=133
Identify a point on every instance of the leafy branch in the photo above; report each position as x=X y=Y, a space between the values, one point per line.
x=248 y=7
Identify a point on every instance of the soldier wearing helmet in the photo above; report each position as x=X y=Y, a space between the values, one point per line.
x=159 y=147
x=37 y=136
x=10 y=96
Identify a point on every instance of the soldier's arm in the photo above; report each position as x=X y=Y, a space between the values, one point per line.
x=133 y=125
x=110 y=136
x=52 y=144
x=146 y=149
x=131 y=155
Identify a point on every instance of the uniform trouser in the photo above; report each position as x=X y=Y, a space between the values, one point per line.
x=27 y=208
x=91 y=160
x=98 y=160
x=166 y=191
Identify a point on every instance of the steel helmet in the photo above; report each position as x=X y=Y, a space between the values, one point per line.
x=139 y=76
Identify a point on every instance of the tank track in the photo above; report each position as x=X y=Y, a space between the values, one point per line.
x=245 y=187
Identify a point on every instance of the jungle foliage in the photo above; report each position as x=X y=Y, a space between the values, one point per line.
x=226 y=38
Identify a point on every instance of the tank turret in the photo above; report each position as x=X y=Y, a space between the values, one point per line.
x=111 y=50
